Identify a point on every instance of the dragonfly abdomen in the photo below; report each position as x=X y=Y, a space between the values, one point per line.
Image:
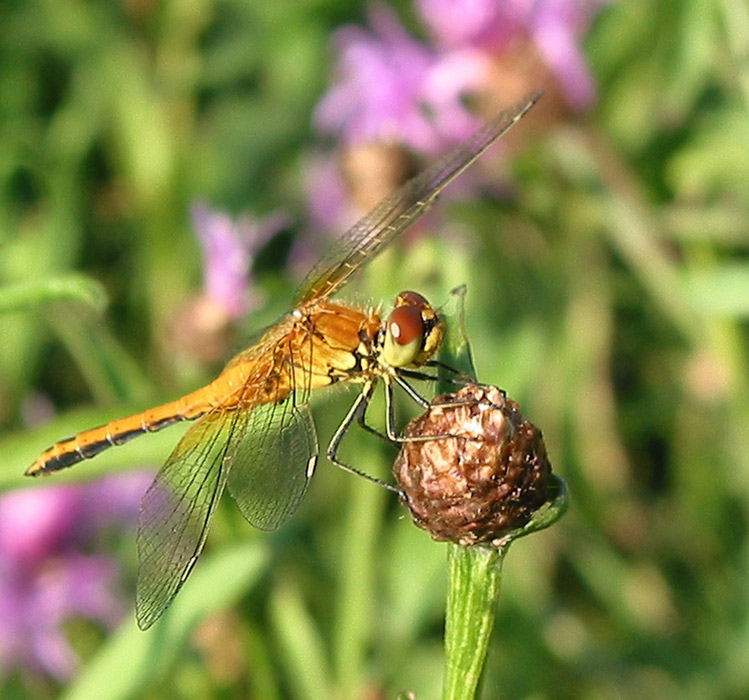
x=90 y=443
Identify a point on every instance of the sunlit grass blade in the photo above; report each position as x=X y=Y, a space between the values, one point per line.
x=301 y=642
x=68 y=288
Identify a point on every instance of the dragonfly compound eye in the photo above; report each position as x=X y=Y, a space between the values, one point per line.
x=404 y=336
x=414 y=331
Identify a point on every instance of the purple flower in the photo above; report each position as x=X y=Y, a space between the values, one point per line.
x=393 y=88
x=330 y=211
x=555 y=28
x=486 y=24
x=45 y=576
x=228 y=249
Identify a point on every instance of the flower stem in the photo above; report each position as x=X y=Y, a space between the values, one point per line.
x=474 y=578
x=475 y=574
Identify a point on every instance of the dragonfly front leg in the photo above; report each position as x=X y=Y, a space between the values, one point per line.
x=357 y=413
x=392 y=432
x=456 y=378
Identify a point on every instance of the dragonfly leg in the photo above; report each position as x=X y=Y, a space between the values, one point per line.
x=460 y=381
x=461 y=377
x=392 y=433
x=392 y=436
x=356 y=412
x=458 y=378
x=361 y=420
x=415 y=395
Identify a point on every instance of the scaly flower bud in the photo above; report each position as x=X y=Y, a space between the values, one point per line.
x=484 y=481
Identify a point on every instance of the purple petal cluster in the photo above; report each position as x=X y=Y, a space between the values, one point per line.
x=50 y=572
x=555 y=28
x=391 y=86
x=229 y=247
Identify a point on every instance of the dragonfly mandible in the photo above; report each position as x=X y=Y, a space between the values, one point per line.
x=253 y=430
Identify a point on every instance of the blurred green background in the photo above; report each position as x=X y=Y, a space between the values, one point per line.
x=608 y=293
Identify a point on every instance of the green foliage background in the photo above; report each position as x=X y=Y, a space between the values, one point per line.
x=609 y=295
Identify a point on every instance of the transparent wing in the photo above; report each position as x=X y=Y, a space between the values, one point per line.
x=176 y=511
x=274 y=459
x=273 y=462
x=266 y=451
x=397 y=212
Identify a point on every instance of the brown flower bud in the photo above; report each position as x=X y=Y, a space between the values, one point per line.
x=484 y=481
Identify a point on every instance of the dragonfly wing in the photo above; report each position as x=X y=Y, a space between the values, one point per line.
x=273 y=461
x=176 y=511
x=397 y=212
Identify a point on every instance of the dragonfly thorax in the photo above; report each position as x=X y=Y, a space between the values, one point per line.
x=413 y=332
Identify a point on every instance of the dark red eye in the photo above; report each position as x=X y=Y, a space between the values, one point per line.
x=413 y=299
x=405 y=325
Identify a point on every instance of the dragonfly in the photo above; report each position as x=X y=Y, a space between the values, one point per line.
x=253 y=431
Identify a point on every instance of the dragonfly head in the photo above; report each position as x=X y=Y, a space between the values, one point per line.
x=413 y=332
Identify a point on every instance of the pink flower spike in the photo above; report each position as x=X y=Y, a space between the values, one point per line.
x=229 y=247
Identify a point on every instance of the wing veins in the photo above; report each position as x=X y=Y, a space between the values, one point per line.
x=156 y=592
x=396 y=213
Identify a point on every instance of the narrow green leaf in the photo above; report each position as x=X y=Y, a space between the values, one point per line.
x=722 y=291
x=75 y=288
x=456 y=349
x=356 y=582
x=301 y=642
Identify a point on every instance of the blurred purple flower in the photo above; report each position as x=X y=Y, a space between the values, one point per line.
x=555 y=28
x=327 y=194
x=330 y=211
x=486 y=24
x=393 y=88
x=44 y=576
x=229 y=247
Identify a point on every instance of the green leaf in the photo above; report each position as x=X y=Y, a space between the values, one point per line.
x=713 y=162
x=301 y=642
x=75 y=288
x=456 y=349
x=723 y=291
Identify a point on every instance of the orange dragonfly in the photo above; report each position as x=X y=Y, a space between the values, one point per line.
x=254 y=431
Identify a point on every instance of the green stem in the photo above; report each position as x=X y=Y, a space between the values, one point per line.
x=475 y=574
x=474 y=577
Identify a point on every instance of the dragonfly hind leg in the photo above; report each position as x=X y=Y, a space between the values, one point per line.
x=357 y=413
